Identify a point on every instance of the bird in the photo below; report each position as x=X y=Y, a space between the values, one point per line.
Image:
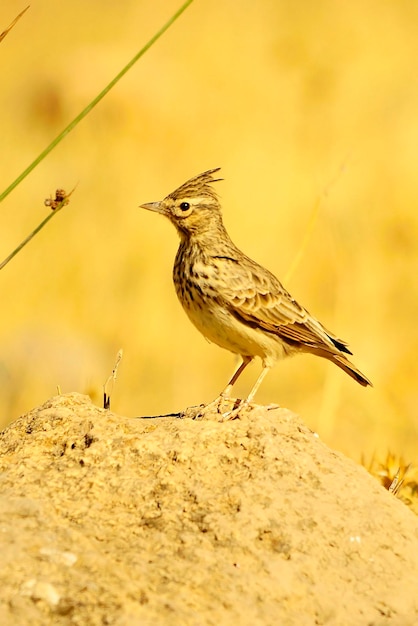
x=232 y=300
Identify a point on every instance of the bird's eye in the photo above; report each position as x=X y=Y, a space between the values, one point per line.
x=185 y=206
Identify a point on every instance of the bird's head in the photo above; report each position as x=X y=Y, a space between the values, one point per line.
x=194 y=207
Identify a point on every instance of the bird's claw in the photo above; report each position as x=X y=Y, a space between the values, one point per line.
x=216 y=407
x=233 y=414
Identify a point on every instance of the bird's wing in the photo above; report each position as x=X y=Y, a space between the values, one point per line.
x=257 y=298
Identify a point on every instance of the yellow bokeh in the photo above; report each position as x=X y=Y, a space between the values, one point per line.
x=310 y=108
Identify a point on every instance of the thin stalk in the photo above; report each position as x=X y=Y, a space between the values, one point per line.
x=93 y=103
x=57 y=209
x=15 y=21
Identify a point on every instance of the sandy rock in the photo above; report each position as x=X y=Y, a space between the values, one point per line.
x=113 y=520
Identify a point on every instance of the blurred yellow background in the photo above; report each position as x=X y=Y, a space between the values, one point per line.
x=299 y=103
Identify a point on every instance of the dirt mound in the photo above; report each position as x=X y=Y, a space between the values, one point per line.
x=113 y=520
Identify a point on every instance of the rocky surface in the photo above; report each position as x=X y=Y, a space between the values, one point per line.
x=112 y=520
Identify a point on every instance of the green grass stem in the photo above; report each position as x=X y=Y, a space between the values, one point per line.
x=88 y=108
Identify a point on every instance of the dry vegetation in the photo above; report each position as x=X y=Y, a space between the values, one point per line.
x=296 y=102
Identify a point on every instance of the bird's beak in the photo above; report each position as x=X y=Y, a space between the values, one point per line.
x=153 y=206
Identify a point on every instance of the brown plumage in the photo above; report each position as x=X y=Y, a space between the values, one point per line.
x=232 y=300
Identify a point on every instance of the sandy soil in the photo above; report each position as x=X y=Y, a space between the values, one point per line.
x=112 y=520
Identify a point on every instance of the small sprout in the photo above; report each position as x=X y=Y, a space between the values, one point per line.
x=398 y=477
x=108 y=386
x=397 y=482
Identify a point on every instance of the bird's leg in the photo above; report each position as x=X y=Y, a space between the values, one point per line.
x=258 y=382
x=246 y=360
x=230 y=415
x=224 y=395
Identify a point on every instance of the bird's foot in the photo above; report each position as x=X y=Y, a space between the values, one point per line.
x=215 y=407
x=237 y=408
x=244 y=405
x=227 y=408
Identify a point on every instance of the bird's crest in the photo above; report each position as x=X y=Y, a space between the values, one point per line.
x=198 y=186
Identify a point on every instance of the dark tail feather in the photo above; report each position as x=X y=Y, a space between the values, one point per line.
x=340 y=345
x=350 y=369
x=346 y=365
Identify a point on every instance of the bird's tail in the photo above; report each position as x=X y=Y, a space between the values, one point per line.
x=346 y=365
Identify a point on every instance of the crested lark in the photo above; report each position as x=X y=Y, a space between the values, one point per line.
x=233 y=301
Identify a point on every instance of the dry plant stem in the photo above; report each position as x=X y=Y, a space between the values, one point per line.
x=96 y=100
x=109 y=384
x=306 y=239
x=9 y=28
x=311 y=224
x=36 y=231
